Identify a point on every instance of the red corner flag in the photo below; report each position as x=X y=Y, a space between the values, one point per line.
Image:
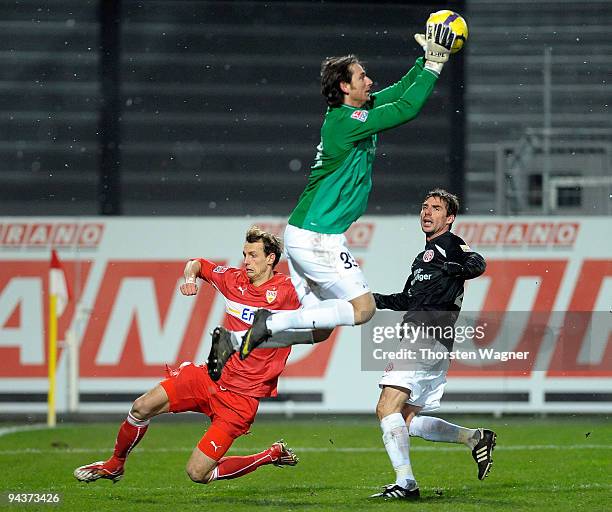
x=59 y=295
x=58 y=284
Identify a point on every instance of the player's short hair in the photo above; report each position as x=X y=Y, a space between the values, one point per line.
x=450 y=200
x=333 y=71
x=272 y=243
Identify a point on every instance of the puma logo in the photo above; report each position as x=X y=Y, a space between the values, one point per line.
x=215 y=445
x=241 y=290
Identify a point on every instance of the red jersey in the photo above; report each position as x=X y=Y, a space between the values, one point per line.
x=257 y=375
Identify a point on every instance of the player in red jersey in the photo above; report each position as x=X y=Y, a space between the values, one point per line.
x=231 y=400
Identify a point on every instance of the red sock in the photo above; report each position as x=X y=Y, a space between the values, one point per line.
x=234 y=467
x=130 y=433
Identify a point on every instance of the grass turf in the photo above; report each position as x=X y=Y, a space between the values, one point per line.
x=557 y=464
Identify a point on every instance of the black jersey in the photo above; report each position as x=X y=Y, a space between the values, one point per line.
x=433 y=292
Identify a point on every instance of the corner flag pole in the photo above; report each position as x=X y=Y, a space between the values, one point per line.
x=59 y=295
x=51 y=420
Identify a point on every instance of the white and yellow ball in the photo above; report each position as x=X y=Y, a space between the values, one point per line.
x=457 y=25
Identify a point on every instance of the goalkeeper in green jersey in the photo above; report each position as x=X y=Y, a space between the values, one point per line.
x=330 y=284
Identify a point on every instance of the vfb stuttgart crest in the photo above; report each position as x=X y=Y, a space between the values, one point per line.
x=428 y=255
x=271 y=296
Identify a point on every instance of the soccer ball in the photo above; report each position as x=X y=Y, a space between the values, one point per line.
x=456 y=23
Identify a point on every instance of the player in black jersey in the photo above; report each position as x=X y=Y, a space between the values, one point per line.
x=433 y=293
x=438 y=272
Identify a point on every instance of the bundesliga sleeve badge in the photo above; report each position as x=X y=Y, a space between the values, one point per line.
x=360 y=115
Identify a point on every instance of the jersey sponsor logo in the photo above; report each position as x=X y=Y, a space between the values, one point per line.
x=422 y=277
x=240 y=311
x=428 y=255
x=465 y=248
x=360 y=115
x=419 y=276
x=271 y=296
x=220 y=269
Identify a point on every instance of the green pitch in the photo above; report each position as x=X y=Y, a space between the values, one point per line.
x=553 y=464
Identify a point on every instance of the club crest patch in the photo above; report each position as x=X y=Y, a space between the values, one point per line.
x=220 y=269
x=271 y=296
x=360 y=115
x=428 y=255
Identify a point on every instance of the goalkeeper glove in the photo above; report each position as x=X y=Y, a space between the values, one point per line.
x=453 y=269
x=437 y=44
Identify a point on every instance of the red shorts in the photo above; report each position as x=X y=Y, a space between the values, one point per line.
x=191 y=389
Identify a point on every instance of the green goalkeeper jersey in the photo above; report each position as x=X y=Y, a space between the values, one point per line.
x=341 y=177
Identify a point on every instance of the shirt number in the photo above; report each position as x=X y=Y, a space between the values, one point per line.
x=348 y=261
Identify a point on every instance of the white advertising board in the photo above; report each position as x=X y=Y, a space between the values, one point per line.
x=130 y=320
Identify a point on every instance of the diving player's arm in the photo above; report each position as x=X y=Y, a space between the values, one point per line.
x=191 y=272
x=205 y=270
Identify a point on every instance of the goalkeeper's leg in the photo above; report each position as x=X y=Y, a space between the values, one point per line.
x=286 y=338
x=324 y=315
